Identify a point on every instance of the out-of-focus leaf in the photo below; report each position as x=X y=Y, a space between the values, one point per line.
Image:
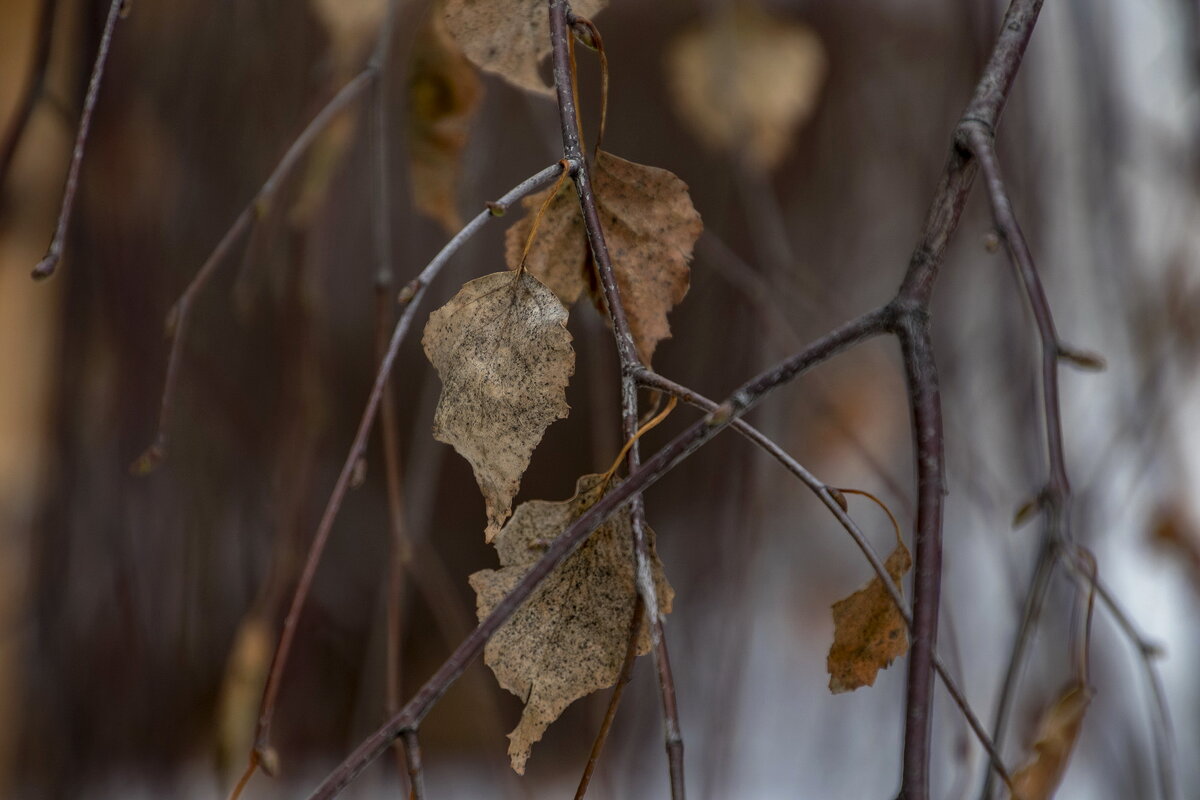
x=1057 y=733
x=569 y=638
x=504 y=355
x=443 y=95
x=745 y=82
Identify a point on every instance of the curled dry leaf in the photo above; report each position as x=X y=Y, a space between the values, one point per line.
x=1057 y=733
x=352 y=26
x=869 y=632
x=650 y=226
x=503 y=353
x=509 y=37
x=443 y=95
x=569 y=638
x=745 y=82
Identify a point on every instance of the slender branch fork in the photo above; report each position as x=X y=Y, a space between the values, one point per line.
x=906 y=316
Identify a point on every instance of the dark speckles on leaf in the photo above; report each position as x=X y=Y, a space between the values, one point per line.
x=509 y=37
x=570 y=636
x=651 y=227
x=504 y=355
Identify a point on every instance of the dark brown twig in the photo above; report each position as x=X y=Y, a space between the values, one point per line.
x=45 y=268
x=636 y=621
x=561 y=43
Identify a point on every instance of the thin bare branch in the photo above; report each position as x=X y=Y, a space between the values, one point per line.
x=410 y=298
x=45 y=268
x=561 y=42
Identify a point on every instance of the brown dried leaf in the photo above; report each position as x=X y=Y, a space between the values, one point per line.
x=1057 y=733
x=650 y=226
x=509 y=37
x=570 y=636
x=352 y=26
x=503 y=353
x=746 y=81
x=869 y=632
x=443 y=95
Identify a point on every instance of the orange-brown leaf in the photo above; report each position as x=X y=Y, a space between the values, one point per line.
x=509 y=37
x=569 y=638
x=502 y=350
x=650 y=226
x=869 y=632
x=443 y=95
x=1057 y=733
x=745 y=82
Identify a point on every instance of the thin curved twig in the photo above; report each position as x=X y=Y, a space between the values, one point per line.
x=410 y=298
x=45 y=268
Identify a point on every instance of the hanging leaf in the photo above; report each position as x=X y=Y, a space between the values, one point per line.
x=746 y=81
x=650 y=226
x=869 y=632
x=1057 y=733
x=509 y=37
x=502 y=350
x=443 y=95
x=570 y=636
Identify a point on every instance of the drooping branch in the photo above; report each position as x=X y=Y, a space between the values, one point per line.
x=45 y=268
x=410 y=299
x=561 y=18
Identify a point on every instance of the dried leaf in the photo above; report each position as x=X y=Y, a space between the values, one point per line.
x=650 y=226
x=570 y=636
x=1057 y=733
x=509 y=37
x=746 y=81
x=443 y=95
x=503 y=353
x=352 y=26
x=869 y=632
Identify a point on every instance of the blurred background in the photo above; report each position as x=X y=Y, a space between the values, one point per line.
x=137 y=614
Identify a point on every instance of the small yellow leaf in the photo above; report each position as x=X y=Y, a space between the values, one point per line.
x=443 y=95
x=569 y=638
x=1057 y=733
x=746 y=81
x=509 y=37
x=650 y=226
x=504 y=355
x=869 y=632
